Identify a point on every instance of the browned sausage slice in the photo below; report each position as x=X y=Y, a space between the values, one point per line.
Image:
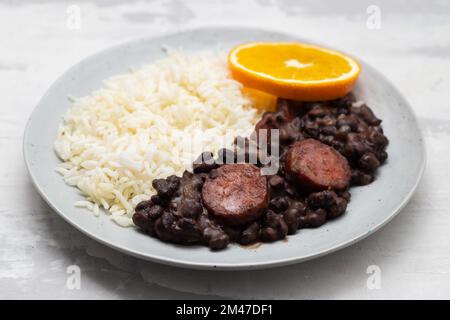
x=317 y=166
x=236 y=193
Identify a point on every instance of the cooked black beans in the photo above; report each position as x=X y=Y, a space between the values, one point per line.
x=315 y=218
x=329 y=201
x=321 y=199
x=291 y=217
x=359 y=178
x=274 y=227
x=215 y=238
x=250 y=234
x=369 y=162
x=279 y=204
x=177 y=213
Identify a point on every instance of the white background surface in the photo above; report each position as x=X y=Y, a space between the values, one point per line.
x=412 y=48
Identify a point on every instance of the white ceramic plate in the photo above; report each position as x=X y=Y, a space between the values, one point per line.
x=370 y=208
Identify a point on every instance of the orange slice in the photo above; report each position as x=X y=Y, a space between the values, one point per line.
x=260 y=99
x=294 y=70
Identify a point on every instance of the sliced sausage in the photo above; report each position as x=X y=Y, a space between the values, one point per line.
x=236 y=193
x=316 y=166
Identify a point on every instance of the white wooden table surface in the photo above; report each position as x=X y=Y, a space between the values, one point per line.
x=411 y=47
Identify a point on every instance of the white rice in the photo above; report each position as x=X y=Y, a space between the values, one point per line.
x=148 y=124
